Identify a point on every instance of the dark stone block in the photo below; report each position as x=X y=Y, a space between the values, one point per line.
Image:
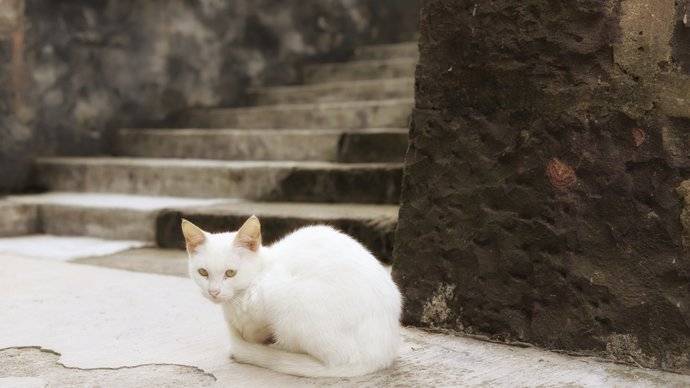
x=351 y=185
x=371 y=147
x=377 y=236
x=538 y=199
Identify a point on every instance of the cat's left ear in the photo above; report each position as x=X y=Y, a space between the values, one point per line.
x=249 y=235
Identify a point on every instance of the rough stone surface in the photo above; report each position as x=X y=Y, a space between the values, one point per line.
x=362 y=146
x=17 y=219
x=254 y=180
x=10 y=16
x=684 y=192
x=539 y=197
x=131 y=329
x=72 y=72
x=372 y=225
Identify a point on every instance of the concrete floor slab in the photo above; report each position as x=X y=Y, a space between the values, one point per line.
x=97 y=318
x=41 y=368
x=22 y=382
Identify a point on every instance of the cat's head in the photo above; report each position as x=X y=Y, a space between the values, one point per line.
x=223 y=264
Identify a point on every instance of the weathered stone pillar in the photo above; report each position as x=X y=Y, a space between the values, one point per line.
x=540 y=202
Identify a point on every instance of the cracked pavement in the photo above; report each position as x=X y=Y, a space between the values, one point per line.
x=40 y=366
x=67 y=324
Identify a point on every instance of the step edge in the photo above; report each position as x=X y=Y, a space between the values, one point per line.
x=111 y=161
x=377 y=210
x=318 y=105
x=325 y=85
x=256 y=132
x=362 y=63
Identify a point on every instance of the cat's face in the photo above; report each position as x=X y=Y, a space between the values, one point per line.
x=223 y=264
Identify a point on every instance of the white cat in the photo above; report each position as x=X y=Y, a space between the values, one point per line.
x=316 y=303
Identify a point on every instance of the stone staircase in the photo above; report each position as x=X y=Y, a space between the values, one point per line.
x=327 y=151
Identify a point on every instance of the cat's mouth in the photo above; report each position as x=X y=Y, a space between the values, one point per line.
x=215 y=299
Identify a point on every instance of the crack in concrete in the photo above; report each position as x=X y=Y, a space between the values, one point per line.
x=124 y=367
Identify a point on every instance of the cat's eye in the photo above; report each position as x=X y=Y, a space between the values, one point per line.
x=203 y=272
x=230 y=273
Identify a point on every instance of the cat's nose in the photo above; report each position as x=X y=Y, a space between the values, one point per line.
x=214 y=292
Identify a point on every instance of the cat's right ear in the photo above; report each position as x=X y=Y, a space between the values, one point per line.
x=249 y=235
x=193 y=235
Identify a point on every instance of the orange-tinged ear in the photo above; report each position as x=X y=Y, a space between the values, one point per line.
x=193 y=235
x=249 y=235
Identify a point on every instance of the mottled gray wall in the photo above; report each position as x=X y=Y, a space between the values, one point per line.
x=15 y=137
x=91 y=66
x=540 y=198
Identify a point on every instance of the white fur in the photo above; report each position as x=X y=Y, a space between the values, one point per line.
x=316 y=303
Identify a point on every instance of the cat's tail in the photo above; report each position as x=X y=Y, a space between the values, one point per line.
x=297 y=364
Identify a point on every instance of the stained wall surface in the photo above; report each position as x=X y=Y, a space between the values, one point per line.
x=73 y=72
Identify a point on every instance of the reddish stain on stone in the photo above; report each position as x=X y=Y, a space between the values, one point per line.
x=561 y=176
x=639 y=136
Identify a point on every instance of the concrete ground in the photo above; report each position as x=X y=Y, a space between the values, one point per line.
x=69 y=324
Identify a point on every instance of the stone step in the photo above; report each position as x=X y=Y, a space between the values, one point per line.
x=372 y=225
x=253 y=180
x=103 y=215
x=359 y=70
x=148 y=219
x=63 y=248
x=370 y=145
x=392 y=113
x=366 y=90
x=17 y=219
x=386 y=51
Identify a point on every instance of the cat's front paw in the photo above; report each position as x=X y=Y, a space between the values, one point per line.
x=235 y=352
x=237 y=357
